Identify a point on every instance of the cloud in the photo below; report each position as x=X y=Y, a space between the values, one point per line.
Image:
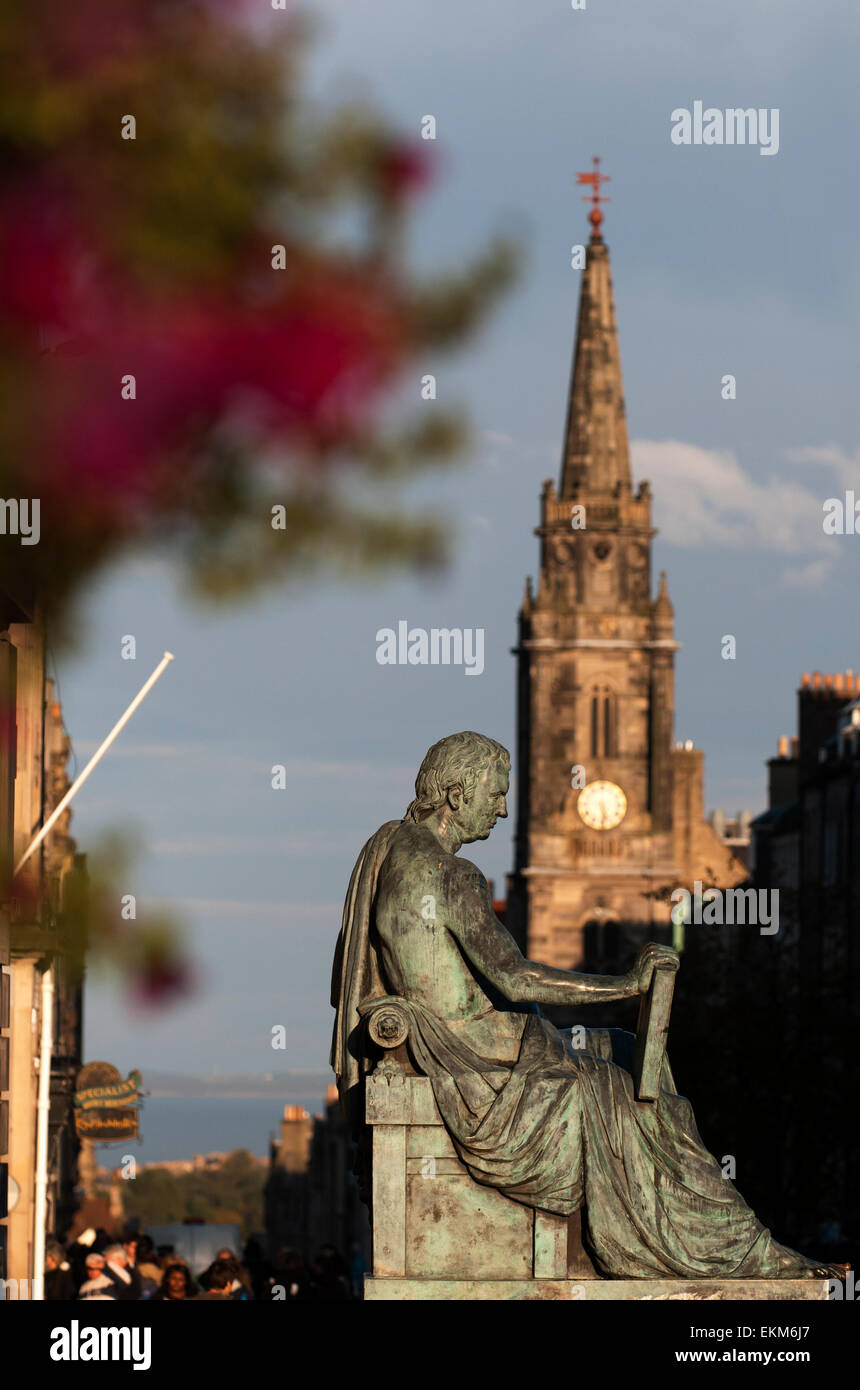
x=703 y=497
x=200 y=754
x=846 y=466
x=811 y=576
x=305 y=845
x=247 y=909
x=201 y=757
x=356 y=772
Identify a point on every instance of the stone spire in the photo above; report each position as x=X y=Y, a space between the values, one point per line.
x=596 y=455
x=664 y=613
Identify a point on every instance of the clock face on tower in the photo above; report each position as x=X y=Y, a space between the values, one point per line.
x=602 y=805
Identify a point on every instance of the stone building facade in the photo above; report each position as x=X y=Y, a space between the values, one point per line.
x=610 y=812
x=768 y=1049
x=34 y=752
x=808 y=845
x=312 y=1196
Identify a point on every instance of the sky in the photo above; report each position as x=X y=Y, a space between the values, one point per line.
x=725 y=261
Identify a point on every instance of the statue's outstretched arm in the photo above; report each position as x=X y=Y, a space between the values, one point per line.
x=492 y=950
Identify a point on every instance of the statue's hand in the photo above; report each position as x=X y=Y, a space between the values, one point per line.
x=648 y=959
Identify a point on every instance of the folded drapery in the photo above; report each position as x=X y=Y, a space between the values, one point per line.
x=560 y=1129
x=556 y=1127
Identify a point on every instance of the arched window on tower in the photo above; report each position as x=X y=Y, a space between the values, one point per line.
x=602 y=947
x=603 y=722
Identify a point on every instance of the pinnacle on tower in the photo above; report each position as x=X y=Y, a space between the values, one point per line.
x=596 y=454
x=663 y=604
x=664 y=613
x=528 y=598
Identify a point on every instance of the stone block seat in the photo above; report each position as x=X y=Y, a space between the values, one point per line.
x=439 y=1234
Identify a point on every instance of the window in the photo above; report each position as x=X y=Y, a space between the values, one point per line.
x=602 y=946
x=603 y=722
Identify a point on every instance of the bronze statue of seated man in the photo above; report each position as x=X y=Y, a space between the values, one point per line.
x=551 y=1125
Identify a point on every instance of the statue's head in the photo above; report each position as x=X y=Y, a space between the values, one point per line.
x=465 y=775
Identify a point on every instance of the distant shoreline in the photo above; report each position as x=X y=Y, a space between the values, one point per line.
x=296 y=1086
x=176 y=1128
x=281 y=1094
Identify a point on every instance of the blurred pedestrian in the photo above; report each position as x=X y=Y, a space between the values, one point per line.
x=97 y=1285
x=240 y=1281
x=59 y=1281
x=148 y=1267
x=328 y=1276
x=289 y=1278
x=220 y=1279
x=257 y=1265
x=176 y=1284
x=76 y=1254
x=123 y=1273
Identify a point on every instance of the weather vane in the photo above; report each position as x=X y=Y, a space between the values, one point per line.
x=595 y=178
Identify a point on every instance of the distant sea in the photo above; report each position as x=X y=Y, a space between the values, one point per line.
x=182 y=1126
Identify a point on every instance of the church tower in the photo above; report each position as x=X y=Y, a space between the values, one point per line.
x=610 y=816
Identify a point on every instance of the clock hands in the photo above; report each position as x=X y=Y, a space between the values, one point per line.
x=602 y=805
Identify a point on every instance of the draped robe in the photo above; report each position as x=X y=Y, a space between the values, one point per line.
x=555 y=1126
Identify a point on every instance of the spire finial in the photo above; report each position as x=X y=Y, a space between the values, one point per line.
x=663 y=606
x=595 y=178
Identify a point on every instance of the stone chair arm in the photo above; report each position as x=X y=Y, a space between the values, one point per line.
x=387 y=1021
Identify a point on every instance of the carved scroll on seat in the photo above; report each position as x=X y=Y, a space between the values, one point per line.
x=651 y=1031
x=387 y=1022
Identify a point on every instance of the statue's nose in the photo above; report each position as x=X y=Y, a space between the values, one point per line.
x=503 y=814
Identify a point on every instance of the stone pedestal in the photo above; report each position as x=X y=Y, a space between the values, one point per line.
x=591 y=1290
x=438 y=1234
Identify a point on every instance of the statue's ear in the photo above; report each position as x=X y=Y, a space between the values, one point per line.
x=455 y=796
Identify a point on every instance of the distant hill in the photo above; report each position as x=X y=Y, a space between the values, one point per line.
x=289 y=1085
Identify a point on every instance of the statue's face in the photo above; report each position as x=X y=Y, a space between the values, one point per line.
x=476 y=818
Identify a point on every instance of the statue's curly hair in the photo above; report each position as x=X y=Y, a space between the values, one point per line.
x=455 y=761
